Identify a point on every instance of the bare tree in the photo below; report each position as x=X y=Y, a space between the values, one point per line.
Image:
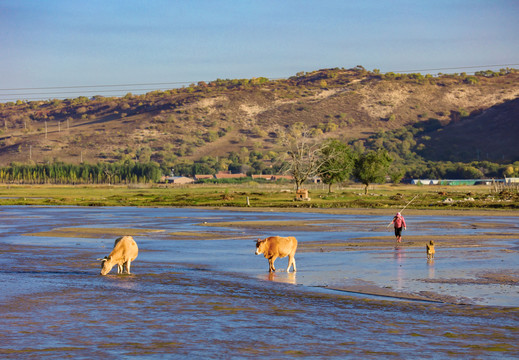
x=303 y=153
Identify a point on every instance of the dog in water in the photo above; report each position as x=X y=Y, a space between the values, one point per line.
x=430 y=250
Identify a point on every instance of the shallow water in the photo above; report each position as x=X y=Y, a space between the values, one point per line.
x=215 y=299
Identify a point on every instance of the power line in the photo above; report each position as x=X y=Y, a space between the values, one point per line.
x=193 y=82
x=77 y=92
x=103 y=88
x=96 y=86
x=455 y=68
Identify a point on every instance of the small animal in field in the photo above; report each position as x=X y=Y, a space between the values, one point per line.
x=277 y=246
x=430 y=250
x=124 y=252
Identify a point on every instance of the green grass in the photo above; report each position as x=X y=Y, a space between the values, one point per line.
x=270 y=196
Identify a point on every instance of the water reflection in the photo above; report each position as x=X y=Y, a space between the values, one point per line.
x=283 y=277
x=399 y=256
x=201 y=299
x=124 y=282
x=430 y=263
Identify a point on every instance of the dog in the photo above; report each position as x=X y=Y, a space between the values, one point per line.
x=430 y=250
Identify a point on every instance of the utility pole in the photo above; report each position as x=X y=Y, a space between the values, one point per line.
x=45 y=129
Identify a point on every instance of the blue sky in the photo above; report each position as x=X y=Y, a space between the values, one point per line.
x=65 y=43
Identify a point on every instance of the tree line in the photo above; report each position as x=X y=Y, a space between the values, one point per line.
x=62 y=173
x=304 y=157
x=333 y=161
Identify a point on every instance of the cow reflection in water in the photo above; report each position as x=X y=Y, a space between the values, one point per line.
x=277 y=246
x=283 y=277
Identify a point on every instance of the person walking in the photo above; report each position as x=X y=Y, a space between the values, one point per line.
x=399 y=223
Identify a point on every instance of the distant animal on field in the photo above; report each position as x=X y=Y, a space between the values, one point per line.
x=430 y=250
x=277 y=246
x=124 y=252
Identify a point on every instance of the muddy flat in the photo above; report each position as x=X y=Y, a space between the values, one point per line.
x=198 y=291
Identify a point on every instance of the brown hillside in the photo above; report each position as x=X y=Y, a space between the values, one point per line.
x=242 y=115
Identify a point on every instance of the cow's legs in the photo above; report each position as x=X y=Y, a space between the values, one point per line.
x=271 y=264
x=128 y=266
x=291 y=261
x=120 y=268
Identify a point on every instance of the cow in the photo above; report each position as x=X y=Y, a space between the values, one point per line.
x=277 y=246
x=124 y=252
x=430 y=250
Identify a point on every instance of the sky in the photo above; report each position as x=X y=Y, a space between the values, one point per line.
x=70 y=48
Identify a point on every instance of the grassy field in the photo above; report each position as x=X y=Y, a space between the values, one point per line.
x=262 y=196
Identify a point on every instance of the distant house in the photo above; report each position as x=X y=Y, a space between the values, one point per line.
x=178 y=180
x=261 y=176
x=273 y=177
x=204 y=176
x=280 y=177
x=424 y=182
x=227 y=175
x=454 y=181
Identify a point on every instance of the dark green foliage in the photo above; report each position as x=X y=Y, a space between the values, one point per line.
x=101 y=173
x=338 y=160
x=372 y=167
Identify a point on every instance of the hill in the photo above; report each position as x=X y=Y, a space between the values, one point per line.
x=460 y=117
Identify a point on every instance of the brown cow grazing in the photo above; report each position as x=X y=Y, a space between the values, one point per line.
x=277 y=246
x=124 y=252
x=430 y=250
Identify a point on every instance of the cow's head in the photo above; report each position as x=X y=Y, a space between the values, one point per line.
x=106 y=265
x=261 y=246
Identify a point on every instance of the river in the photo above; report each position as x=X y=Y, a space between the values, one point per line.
x=198 y=291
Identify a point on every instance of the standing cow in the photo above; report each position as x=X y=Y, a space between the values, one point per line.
x=124 y=252
x=277 y=246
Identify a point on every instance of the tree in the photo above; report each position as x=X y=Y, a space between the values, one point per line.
x=144 y=154
x=337 y=163
x=396 y=175
x=372 y=167
x=304 y=154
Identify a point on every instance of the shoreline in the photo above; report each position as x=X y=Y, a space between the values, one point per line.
x=369 y=211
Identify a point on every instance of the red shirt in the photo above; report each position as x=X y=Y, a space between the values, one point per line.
x=399 y=221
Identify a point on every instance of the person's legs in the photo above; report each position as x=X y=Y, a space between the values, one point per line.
x=398 y=234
